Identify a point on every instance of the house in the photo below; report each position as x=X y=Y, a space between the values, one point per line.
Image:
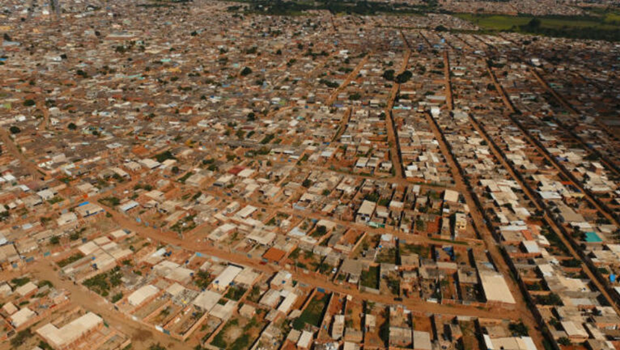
x=69 y=335
x=87 y=209
x=364 y=213
x=337 y=327
x=225 y=278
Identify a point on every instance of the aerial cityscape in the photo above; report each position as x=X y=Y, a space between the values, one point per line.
x=325 y=175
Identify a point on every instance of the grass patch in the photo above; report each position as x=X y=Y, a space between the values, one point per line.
x=370 y=278
x=602 y=27
x=312 y=314
x=219 y=340
x=421 y=250
x=186 y=224
x=387 y=255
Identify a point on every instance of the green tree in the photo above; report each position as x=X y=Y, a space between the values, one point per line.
x=564 y=341
x=534 y=23
x=404 y=77
x=15 y=130
x=518 y=329
x=355 y=96
x=21 y=338
x=246 y=71
x=388 y=75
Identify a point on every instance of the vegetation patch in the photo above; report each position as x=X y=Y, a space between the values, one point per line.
x=235 y=293
x=67 y=261
x=600 y=27
x=104 y=282
x=370 y=277
x=312 y=314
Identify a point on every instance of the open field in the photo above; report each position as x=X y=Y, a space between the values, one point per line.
x=603 y=27
x=506 y=22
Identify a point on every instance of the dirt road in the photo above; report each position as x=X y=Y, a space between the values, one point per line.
x=308 y=279
x=392 y=133
x=476 y=213
x=141 y=335
x=10 y=146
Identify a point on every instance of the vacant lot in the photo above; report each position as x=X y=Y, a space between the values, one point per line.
x=313 y=313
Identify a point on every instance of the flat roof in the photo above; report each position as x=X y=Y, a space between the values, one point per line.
x=495 y=288
x=139 y=296
x=69 y=333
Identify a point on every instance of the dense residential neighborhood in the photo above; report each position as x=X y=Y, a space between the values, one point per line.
x=209 y=175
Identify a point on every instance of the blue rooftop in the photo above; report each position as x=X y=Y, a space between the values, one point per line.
x=592 y=237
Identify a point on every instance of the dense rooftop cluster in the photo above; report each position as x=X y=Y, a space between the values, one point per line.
x=190 y=175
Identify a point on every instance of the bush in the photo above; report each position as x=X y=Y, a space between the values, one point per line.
x=164 y=156
x=571 y=263
x=73 y=258
x=18 y=282
x=111 y=201
x=235 y=293
x=15 y=130
x=267 y=139
x=21 y=338
x=118 y=296
x=329 y=84
x=564 y=341
x=551 y=299
x=518 y=329
x=355 y=96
